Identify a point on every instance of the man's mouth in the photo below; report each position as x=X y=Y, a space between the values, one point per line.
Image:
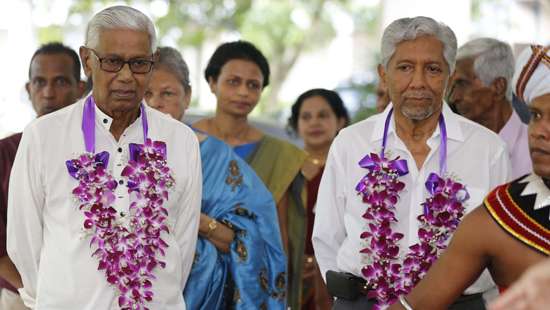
x=418 y=97
x=49 y=108
x=123 y=94
x=536 y=152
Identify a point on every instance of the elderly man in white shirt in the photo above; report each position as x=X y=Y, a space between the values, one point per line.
x=105 y=194
x=397 y=184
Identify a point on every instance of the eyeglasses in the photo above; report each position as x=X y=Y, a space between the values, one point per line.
x=115 y=64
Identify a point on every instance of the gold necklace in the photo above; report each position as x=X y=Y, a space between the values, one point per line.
x=317 y=161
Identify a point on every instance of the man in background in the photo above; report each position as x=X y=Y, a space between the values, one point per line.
x=482 y=92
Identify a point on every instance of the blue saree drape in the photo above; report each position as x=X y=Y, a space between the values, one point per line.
x=253 y=274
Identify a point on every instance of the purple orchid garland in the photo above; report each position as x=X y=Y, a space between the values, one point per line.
x=387 y=276
x=128 y=246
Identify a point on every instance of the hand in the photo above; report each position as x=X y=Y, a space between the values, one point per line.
x=530 y=292
x=310 y=267
x=9 y=272
x=221 y=237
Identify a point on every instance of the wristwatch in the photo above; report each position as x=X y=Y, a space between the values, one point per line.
x=211 y=227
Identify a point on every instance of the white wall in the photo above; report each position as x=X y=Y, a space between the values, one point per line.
x=17 y=43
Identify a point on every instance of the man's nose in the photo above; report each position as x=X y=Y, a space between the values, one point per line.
x=540 y=129
x=125 y=72
x=454 y=94
x=418 y=79
x=48 y=91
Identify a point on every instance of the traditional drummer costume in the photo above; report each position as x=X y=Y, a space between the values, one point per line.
x=522 y=207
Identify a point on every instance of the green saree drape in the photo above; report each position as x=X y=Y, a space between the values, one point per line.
x=278 y=164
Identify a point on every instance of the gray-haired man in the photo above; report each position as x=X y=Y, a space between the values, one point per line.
x=482 y=92
x=105 y=194
x=393 y=187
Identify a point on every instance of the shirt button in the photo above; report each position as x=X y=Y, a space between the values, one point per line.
x=105 y=121
x=120 y=182
x=119 y=150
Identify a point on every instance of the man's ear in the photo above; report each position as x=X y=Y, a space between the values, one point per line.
x=381 y=74
x=84 y=58
x=156 y=56
x=28 y=88
x=449 y=87
x=81 y=85
x=499 y=87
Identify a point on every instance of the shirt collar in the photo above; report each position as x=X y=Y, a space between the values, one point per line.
x=512 y=127
x=106 y=121
x=103 y=119
x=452 y=124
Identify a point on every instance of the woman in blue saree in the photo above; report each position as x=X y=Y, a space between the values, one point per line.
x=239 y=260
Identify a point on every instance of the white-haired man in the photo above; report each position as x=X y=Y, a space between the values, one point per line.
x=396 y=184
x=482 y=92
x=104 y=197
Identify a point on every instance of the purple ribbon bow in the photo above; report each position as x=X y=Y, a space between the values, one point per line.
x=100 y=159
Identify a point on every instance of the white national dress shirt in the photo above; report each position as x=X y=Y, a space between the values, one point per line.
x=514 y=133
x=475 y=155
x=45 y=231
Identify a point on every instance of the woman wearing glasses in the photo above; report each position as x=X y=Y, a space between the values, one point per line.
x=238 y=264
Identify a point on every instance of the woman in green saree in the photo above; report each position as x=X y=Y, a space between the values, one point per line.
x=237 y=73
x=316 y=117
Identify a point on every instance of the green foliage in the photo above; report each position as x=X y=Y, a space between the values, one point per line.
x=366 y=19
x=363 y=113
x=271 y=25
x=49 y=34
x=199 y=20
x=284 y=30
x=87 y=6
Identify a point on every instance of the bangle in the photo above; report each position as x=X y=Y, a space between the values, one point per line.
x=211 y=227
x=404 y=303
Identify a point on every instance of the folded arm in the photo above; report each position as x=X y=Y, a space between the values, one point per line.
x=222 y=236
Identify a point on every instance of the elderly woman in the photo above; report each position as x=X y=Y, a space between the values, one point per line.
x=510 y=232
x=239 y=261
x=237 y=73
